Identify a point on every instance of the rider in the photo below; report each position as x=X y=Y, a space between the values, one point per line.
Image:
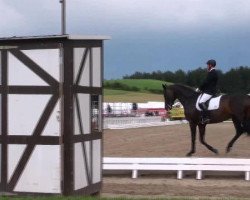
x=208 y=89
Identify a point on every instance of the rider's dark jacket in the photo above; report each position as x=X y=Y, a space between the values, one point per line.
x=210 y=83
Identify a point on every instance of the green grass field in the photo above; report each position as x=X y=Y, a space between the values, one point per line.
x=128 y=96
x=145 y=91
x=142 y=84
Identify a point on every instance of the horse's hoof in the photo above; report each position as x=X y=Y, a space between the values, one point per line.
x=216 y=151
x=228 y=149
x=189 y=154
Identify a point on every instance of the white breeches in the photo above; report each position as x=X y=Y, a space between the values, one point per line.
x=205 y=97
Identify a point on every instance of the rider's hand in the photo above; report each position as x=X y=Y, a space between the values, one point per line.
x=197 y=90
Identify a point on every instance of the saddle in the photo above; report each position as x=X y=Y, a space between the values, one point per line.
x=212 y=104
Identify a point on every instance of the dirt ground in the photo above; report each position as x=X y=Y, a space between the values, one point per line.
x=174 y=141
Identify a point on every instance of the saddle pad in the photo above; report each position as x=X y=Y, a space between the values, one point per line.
x=214 y=103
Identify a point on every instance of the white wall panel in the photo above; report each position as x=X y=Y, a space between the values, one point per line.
x=97 y=161
x=80 y=175
x=96 y=53
x=20 y=74
x=53 y=126
x=14 y=155
x=47 y=59
x=84 y=100
x=85 y=78
x=88 y=154
x=42 y=173
x=24 y=111
x=78 y=54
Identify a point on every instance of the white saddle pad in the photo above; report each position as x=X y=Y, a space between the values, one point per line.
x=213 y=104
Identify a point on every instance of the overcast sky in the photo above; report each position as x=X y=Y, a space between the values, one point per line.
x=147 y=35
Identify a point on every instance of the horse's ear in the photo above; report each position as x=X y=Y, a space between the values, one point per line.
x=164 y=86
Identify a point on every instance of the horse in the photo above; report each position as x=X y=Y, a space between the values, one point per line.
x=235 y=107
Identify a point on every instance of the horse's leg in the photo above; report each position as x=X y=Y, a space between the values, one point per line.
x=202 y=130
x=239 y=130
x=193 y=138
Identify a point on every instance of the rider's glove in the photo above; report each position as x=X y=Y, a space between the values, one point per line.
x=197 y=90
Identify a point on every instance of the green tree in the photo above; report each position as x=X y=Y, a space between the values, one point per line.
x=196 y=77
x=180 y=76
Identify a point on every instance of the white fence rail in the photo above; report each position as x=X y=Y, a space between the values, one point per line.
x=131 y=120
x=136 y=122
x=177 y=164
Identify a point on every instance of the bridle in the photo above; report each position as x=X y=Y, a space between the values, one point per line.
x=169 y=106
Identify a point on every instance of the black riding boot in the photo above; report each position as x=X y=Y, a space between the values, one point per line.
x=204 y=114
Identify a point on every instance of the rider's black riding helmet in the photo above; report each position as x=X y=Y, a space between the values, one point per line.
x=211 y=62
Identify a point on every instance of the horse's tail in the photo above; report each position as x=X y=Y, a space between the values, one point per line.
x=246 y=122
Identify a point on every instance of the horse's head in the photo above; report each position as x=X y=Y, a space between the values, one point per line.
x=168 y=96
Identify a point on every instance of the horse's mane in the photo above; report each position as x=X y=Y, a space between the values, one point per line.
x=188 y=91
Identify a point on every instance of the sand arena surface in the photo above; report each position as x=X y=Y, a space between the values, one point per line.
x=174 y=141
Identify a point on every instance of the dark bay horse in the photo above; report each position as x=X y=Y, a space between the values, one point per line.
x=236 y=107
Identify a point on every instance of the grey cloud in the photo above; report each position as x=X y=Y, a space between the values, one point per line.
x=125 y=16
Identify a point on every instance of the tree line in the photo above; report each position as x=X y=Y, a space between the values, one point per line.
x=236 y=80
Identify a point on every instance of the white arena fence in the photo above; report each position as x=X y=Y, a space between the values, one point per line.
x=137 y=122
x=180 y=165
x=131 y=120
x=122 y=108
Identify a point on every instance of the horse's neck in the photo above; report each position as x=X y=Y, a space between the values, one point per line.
x=182 y=98
x=183 y=95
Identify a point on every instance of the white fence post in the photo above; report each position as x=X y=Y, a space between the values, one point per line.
x=135 y=171
x=247 y=176
x=199 y=175
x=179 y=174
